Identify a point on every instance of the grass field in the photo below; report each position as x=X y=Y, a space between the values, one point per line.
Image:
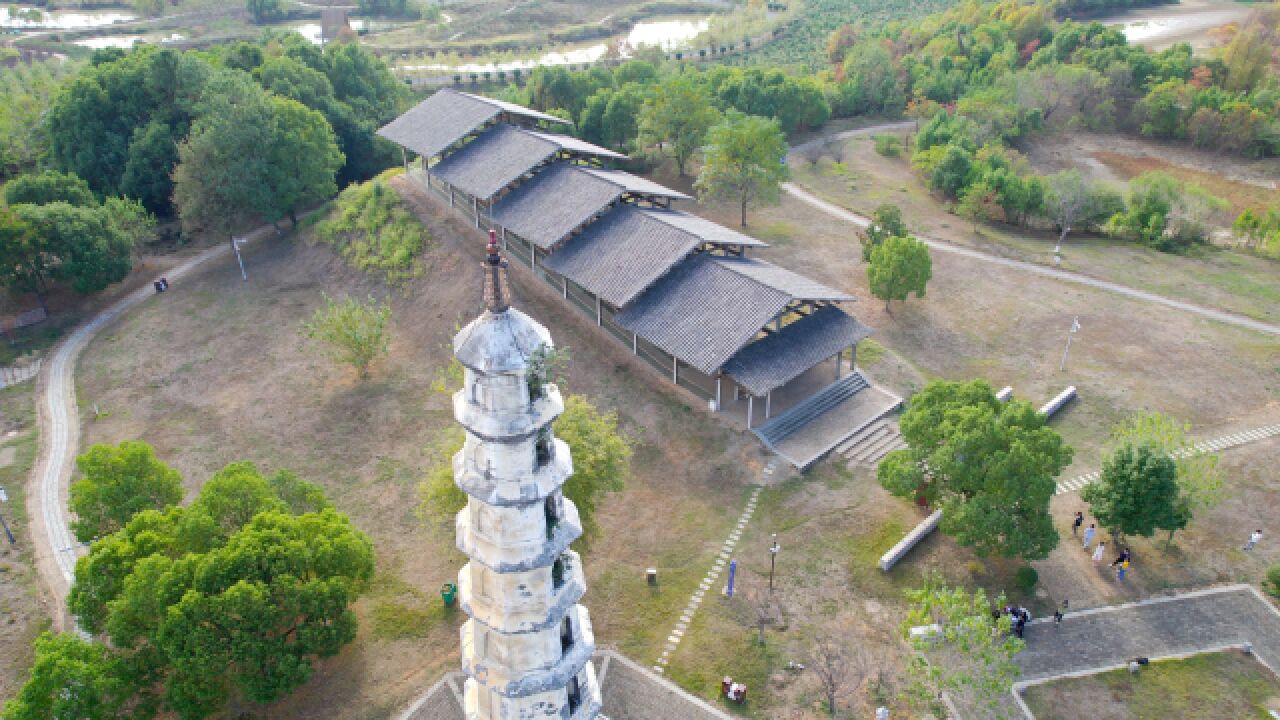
x=853 y=175
x=22 y=613
x=217 y=370
x=1241 y=196
x=1215 y=685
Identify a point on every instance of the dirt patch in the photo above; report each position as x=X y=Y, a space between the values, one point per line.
x=1242 y=196
x=217 y=370
x=1220 y=685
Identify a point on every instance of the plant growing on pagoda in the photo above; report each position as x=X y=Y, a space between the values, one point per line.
x=546 y=367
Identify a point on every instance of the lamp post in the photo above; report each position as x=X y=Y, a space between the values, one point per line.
x=1075 y=328
x=773 y=559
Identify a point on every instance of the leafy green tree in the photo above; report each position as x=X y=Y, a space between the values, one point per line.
x=899 y=266
x=81 y=245
x=971 y=654
x=989 y=466
x=355 y=332
x=1200 y=480
x=47 y=187
x=951 y=174
x=745 y=160
x=677 y=116
x=601 y=457
x=977 y=203
x=232 y=598
x=153 y=153
x=886 y=222
x=118 y=483
x=25 y=93
x=265 y=11
x=1165 y=213
x=1138 y=493
x=303 y=160
x=610 y=117
x=71 y=679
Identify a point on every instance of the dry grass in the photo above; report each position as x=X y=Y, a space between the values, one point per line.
x=1218 y=685
x=216 y=370
x=22 y=613
x=1240 y=195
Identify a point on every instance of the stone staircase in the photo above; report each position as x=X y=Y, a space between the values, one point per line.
x=870 y=444
x=777 y=429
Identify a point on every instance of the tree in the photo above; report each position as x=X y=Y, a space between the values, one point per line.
x=150 y=8
x=1165 y=213
x=899 y=267
x=989 y=466
x=232 y=597
x=601 y=457
x=951 y=174
x=886 y=222
x=971 y=653
x=677 y=115
x=118 y=483
x=1199 y=478
x=839 y=667
x=745 y=159
x=977 y=203
x=47 y=187
x=356 y=332
x=1137 y=493
x=71 y=679
x=303 y=160
x=264 y=11
x=153 y=153
x=1066 y=201
x=84 y=246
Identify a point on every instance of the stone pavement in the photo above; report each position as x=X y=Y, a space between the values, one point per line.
x=1174 y=625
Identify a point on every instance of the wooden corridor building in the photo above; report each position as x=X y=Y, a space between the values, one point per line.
x=680 y=291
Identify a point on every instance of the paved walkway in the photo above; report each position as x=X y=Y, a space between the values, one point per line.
x=1223 y=443
x=1192 y=622
x=860 y=221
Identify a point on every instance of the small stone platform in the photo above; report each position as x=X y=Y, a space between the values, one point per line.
x=630 y=693
x=816 y=427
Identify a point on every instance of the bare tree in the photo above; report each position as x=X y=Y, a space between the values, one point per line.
x=839 y=667
x=1066 y=200
x=764 y=610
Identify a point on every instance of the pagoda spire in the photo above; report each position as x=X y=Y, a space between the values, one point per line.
x=527 y=647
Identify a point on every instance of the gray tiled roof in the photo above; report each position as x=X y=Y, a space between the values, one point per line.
x=707 y=230
x=703 y=312
x=446 y=117
x=493 y=160
x=776 y=360
x=795 y=285
x=551 y=204
x=581 y=147
x=636 y=184
x=621 y=254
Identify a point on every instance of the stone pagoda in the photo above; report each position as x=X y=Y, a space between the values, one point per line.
x=527 y=646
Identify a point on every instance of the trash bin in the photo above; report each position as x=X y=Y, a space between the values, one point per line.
x=448 y=593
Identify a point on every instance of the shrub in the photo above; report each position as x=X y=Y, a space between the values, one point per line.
x=887 y=144
x=1272 y=584
x=370 y=227
x=1026 y=578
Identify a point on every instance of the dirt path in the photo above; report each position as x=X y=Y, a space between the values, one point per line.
x=56 y=550
x=861 y=221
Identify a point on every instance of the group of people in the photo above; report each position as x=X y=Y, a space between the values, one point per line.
x=161 y=285
x=1020 y=617
x=1121 y=563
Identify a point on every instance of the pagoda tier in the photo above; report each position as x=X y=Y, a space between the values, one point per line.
x=527 y=646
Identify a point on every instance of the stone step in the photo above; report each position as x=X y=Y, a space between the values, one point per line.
x=862 y=433
x=860 y=440
x=797 y=417
x=898 y=444
x=867 y=452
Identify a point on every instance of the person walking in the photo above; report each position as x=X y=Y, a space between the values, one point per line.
x=1089 y=532
x=1097 y=553
x=1254 y=537
x=1121 y=558
x=1120 y=571
x=1077 y=522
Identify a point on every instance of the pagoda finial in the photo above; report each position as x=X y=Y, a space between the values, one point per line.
x=497 y=298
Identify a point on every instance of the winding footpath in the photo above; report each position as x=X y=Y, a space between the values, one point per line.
x=55 y=545
x=861 y=221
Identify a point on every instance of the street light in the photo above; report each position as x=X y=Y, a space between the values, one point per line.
x=1075 y=328
x=773 y=559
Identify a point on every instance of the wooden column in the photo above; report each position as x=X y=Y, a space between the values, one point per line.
x=749 y=410
x=839 y=362
x=564 y=286
x=635 y=344
x=675 y=369
x=718 y=376
x=404 y=155
x=599 y=314
x=768 y=402
x=475 y=208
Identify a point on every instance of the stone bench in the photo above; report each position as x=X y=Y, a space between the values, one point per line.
x=1057 y=403
x=896 y=553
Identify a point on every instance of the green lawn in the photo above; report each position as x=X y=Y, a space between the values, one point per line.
x=1214 y=685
